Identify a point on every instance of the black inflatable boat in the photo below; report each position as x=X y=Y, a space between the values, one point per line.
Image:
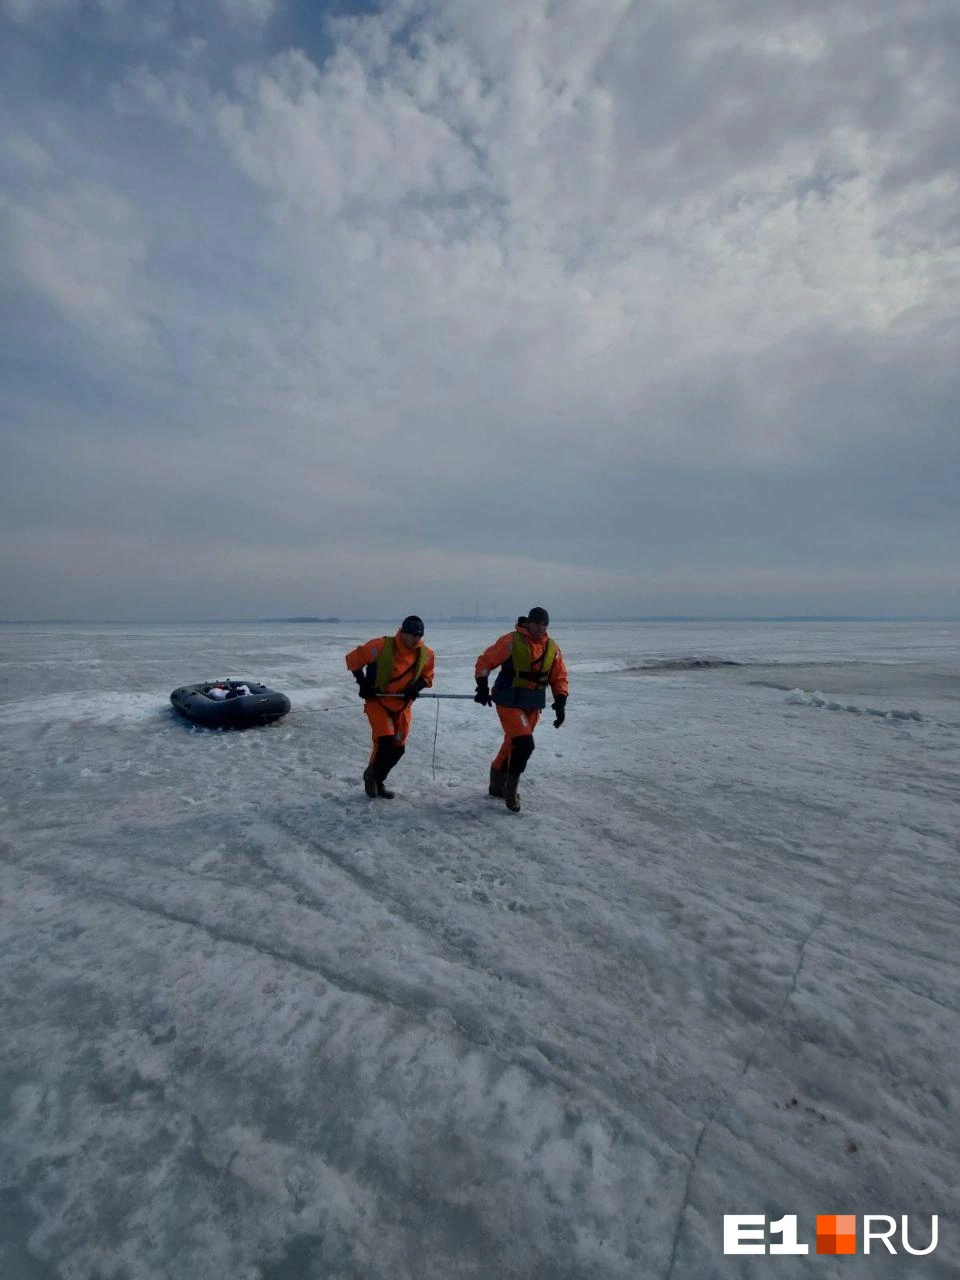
x=230 y=704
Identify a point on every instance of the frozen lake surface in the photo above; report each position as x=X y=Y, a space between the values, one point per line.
x=256 y=1026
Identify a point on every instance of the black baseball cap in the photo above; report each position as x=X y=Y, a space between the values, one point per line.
x=412 y=625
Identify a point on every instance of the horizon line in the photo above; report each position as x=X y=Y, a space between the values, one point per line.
x=460 y=619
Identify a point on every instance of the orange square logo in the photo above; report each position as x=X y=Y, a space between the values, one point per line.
x=836 y=1233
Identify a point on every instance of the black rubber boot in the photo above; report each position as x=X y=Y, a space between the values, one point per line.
x=390 y=754
x=386 y=756
x=521 y=749
x=510 y=796
x=497 y=778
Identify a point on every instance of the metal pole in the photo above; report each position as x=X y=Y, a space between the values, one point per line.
x=464 y=696
x=428 y=695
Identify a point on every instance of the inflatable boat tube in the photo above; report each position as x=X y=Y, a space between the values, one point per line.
x=230 y=704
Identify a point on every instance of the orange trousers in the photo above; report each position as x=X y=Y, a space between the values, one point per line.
x=385 y=723
x=516 y=724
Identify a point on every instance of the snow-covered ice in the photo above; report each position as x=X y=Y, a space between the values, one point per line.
x=256 y=1026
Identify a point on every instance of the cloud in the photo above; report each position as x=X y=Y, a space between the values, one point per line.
x=602 y=283
x=250 y=13
x=79 y=249
x=24 y=11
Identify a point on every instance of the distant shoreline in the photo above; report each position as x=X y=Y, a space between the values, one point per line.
x=462 y=621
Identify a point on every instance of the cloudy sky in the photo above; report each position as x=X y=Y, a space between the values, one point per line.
x=624 y=306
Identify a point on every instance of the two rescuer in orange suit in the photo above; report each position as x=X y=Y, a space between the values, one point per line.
x=529 y=663
x=392 y=671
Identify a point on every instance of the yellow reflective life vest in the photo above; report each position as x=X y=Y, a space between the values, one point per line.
x=524 y=675
x=385 y=665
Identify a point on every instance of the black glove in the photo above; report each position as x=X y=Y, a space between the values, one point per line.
x=368 y=687
x=416 y=689
x=483 y=692
x=559 y=705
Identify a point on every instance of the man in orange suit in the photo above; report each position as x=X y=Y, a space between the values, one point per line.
x=530 y=663
x=392 y=671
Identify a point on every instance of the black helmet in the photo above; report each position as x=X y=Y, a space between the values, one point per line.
x=412 y=625
x=536 y=614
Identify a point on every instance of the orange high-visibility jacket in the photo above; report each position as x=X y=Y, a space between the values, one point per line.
x=502 y=649
x=404 y=661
